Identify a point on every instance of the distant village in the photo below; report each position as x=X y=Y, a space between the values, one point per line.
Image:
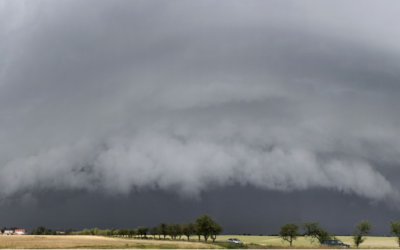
x=20 y=231
x=13 y=232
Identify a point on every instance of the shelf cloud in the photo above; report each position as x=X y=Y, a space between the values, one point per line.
x=116 y=96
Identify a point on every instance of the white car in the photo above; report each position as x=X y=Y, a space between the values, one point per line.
x=235 y=241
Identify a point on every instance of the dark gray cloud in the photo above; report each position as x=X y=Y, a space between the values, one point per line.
x=115 y=96
x=238 y=209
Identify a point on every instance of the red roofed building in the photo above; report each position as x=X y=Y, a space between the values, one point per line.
x=19 y=231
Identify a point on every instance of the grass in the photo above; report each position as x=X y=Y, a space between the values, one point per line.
x=226 y=245
x=302 y=242
x=90 y=242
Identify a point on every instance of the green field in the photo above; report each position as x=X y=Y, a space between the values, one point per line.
x=370 y=242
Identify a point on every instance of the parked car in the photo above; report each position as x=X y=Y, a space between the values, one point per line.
x=235 y=241
x=338 y=243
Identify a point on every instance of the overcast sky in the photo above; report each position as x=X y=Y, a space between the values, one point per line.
x=240 y=109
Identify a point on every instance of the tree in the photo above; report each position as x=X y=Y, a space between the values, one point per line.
x=105 y=232
x=206 y=227
x=188 y=229
x=155 y=231
x=395 y=229
x=197 y=231
x=132 y=232
x=174 y=230
x=39 y=230
x=142 y=231
x=163 y=229
x=313 y=231
x=123 y=232
x=289 y=232
x=203 y=225
x=179 y=230
x=216 y=229
x=362 y=228
x=43 y=231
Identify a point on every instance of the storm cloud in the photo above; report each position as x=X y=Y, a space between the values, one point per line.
x=188 y=96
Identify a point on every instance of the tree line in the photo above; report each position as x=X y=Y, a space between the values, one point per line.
x=47 y=231
x=290 y=231
x=203 y=227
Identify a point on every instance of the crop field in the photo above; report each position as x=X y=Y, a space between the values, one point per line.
x=370 y=242
x=67 y=241
x=88 y=242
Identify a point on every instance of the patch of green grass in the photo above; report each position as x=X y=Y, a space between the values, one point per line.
x=227 y=245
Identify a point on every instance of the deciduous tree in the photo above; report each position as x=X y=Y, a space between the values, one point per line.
x=163 y=229
x=123 y=231
x=362 y=228
x=142 y=231
x=197 y=231
x=155 y=231
x=395 y=230
x=204 y=226
x=289 y=232
x=132 y=233
x=188 y=229
x=174 y=230
x=216 y=229
x=314 y=231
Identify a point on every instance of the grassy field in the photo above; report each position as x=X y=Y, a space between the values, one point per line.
x=88 y=242
x=370 y=242
x=54 y=242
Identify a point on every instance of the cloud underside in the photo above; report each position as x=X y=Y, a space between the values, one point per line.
x=119 y=96
x=190 y=165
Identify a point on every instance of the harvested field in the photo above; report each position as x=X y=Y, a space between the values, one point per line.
x=301 y=242
x=88 y=242
x=67 y=241
x=373 y=242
